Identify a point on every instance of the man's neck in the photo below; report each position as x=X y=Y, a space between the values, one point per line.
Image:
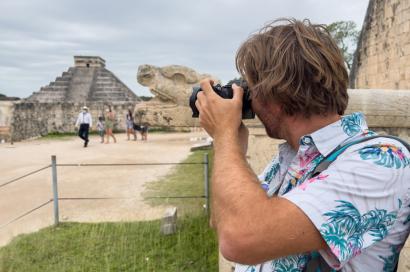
x=297 y=126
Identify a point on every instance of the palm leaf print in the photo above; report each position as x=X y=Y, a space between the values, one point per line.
x=352 y=124
x=272 y=172
x=345 y=228
x=386 y=155
x=293 y=263
x=391 y=260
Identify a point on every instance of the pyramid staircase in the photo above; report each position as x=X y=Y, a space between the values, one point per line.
x=83 y=84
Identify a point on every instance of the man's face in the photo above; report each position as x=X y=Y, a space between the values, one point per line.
x=270 y=115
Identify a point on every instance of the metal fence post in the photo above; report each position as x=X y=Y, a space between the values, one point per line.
x=206 y=182
x=55 y=191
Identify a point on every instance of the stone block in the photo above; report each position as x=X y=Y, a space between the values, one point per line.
x=169 y=221
x=405 y=27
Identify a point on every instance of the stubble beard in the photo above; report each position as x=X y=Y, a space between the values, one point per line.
x=274 y=126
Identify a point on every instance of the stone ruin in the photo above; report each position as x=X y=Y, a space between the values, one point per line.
x=55 y=107
x=88 y=81
x=172 y=87
x=382 y=58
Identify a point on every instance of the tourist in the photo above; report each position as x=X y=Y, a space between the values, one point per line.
x=306 y=211
x=85 y=122
x=129 y=124
x=101 y=128
x=144 y=132
x=109 y=125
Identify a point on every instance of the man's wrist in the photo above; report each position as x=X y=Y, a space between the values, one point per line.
x=227 y=142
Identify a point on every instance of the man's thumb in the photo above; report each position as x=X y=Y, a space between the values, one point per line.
x=237 y=92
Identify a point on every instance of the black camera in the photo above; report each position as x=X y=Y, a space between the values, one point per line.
x=226 y=92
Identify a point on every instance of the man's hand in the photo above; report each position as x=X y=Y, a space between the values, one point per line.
x=219 y=116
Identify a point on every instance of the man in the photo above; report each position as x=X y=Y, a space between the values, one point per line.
x=352 y=216
x=84 y=121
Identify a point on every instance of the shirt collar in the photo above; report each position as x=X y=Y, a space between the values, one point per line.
x=329 y=137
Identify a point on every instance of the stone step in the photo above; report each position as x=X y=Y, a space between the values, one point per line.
x=111 y=96
x=63 y=79
x=60 y=83
x=108 y=89
x=104 y=74
x=55 y=88
x=105 y=79
x=67 y=74
x=49 y=97
x=51 y=92
x=105 y=83
x=109 y=93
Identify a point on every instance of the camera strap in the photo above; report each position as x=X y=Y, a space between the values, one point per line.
x=329 y=159
x=317 y=263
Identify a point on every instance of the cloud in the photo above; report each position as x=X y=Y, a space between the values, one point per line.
x=39 y=38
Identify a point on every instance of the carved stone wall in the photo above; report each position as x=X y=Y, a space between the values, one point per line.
x=382 y=58
x=6 y=115
x=34 y=119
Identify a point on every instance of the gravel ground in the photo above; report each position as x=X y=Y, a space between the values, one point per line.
x=126 y=182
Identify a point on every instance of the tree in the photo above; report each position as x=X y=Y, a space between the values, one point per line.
x=346 y=36
x=235 y=80
x=4 y=97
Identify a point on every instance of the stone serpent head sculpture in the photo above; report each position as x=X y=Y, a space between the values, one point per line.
x=171 y=83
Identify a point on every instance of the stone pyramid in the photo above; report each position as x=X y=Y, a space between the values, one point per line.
x=88 y=81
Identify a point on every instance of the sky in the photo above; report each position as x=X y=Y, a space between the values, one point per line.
x=38 y=38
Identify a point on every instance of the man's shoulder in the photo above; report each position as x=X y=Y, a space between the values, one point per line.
x=380 y=141
x=381 y=151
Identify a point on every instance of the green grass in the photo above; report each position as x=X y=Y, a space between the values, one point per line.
x=58 y=136
x=135 y=246
x=184 y=180
x=127 y=246
x=168 y=129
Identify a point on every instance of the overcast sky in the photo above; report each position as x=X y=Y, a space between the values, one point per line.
x=38 y=38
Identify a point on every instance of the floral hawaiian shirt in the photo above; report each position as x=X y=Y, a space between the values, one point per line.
x=360 y=204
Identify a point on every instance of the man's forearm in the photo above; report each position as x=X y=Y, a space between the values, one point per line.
x=233 y=182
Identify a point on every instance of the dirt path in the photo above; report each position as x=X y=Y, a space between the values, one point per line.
x=125 y=182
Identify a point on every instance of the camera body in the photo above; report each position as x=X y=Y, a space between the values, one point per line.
x=226 y=92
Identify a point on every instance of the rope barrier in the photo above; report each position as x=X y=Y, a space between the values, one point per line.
x=175 y=197
x=102 y=198
x=92 y=198
x=26 y=175
x=128 y=164
x=26 y=213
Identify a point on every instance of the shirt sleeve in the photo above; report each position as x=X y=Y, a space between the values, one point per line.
x=269 y=177
x=355 y=202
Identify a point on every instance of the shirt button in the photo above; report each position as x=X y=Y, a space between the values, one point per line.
x=306 y=140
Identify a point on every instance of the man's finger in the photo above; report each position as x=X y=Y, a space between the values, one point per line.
x=198 y=105
x=237 y=93
x=206 y=86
